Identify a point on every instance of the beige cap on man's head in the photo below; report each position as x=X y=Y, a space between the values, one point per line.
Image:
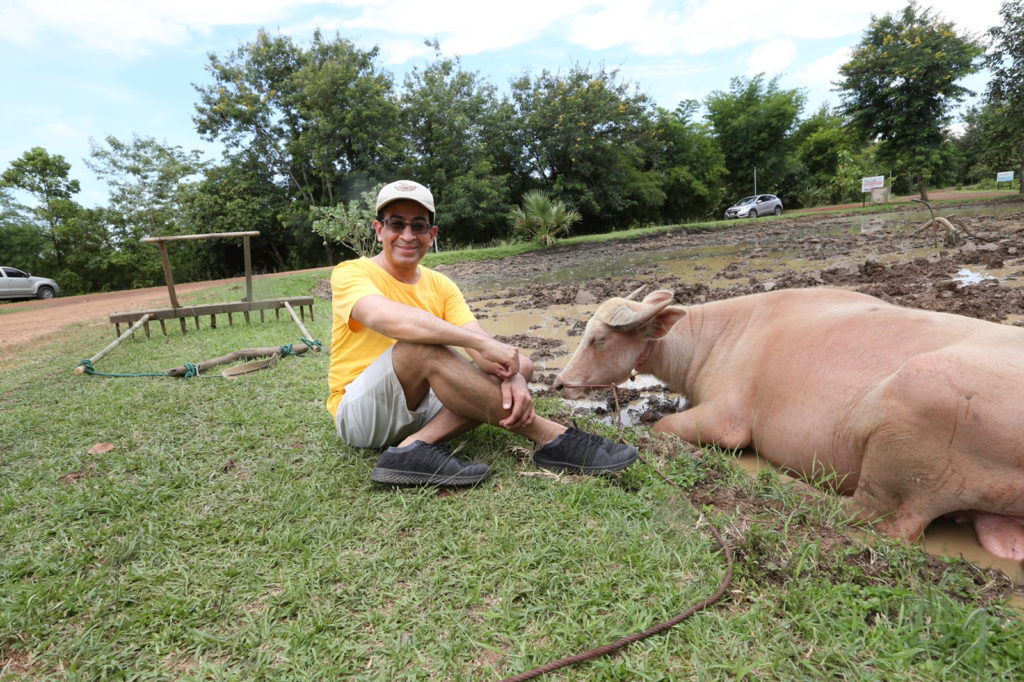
x=405 y=189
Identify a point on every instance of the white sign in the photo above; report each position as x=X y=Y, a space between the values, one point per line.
x=1004 y=176
x=868 y=184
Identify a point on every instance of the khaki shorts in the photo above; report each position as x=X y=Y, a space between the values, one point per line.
x=373 y=413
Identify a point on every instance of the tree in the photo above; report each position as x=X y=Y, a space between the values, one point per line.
x=446 y=114
x=832 y=161
x=586 y=139
x=45 y=178
x=1004 y=126
x=690 y=163
x=148 y=181
x=22 y=242
x=324 y=118
x=542 y=218
x=900 y=84
x=242 y=194
x=753 y=123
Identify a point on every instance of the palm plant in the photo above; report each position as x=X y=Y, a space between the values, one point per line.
x=542 y=218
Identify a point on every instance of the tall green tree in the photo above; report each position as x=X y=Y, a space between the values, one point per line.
x=753 y=123
x=242 y=195
x=46 y=178
x=833 y=162
x=690 y=163
x=901 y=83
x=1004 y=125
x=149 y=184
x=446 y=115
x=22 y=242
x=148 y=181
x=323 y=118
x=586 y=138
x=986 y=146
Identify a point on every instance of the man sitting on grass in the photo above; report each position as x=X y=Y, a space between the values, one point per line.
x=395 y=381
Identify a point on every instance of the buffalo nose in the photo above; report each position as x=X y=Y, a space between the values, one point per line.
x=557 y=384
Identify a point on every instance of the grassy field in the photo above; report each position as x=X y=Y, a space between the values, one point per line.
x=221 y=531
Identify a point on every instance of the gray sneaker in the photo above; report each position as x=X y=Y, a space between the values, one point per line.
x=426 y=464
x=579 y=452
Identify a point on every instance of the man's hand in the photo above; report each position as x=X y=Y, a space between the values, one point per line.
x=515 y=397
x=502 y=360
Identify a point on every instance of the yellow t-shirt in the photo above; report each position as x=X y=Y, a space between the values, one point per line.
x=354 y=346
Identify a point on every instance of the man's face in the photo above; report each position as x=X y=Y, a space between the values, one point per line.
x=405 y=233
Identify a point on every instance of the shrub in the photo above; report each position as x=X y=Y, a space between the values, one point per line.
x=542 y=218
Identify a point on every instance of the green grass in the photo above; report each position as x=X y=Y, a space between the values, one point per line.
x=229 y=535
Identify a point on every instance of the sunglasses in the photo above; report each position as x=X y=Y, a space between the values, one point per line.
x=397 y=225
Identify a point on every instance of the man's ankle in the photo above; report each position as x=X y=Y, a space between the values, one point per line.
x=547 y=432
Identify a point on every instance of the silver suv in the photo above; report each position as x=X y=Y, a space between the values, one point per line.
x=15 y=283
x=751 y=207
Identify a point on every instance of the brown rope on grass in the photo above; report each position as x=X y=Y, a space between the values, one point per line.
x=660 y=627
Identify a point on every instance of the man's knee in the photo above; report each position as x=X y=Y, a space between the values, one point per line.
x=525 y=367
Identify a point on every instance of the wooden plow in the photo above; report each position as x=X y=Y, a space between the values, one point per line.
x=246 y=306
x=259 y=358
x=950 y=227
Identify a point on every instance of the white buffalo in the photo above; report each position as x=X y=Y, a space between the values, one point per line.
x=919 y=414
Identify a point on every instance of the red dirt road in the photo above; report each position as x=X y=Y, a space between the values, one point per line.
x=22 y=322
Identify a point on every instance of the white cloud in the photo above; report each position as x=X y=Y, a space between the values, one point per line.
x=819 y=77
x=57 y=131
x=130 y=28
x=771 y=57
x=465 y=27
x=647 y=27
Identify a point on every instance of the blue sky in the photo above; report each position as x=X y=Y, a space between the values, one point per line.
x=81 y=69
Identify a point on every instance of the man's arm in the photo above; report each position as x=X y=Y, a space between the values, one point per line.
x=406 y=323
x=515 y=393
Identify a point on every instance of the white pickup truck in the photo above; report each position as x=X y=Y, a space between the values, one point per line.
x=15 y=283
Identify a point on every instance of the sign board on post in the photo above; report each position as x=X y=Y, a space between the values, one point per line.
x=868 y=184
x=1004 y=176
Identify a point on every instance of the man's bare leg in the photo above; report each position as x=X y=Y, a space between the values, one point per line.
x=470 y=397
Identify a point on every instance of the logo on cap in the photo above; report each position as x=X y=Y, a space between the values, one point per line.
x=404 y=187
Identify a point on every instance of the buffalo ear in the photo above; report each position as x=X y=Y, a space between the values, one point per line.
x=624 y=317
x=663 y=323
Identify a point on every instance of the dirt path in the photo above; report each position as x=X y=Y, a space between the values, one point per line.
x=23 y=322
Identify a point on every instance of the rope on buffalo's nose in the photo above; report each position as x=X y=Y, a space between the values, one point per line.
x=660 y=627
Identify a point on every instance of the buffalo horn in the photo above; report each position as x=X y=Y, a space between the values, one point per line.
x=636 y=292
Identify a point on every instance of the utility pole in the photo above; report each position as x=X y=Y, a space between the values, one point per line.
x=755 y=179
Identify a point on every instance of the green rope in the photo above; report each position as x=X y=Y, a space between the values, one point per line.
x=91 y=371
x=191 y=369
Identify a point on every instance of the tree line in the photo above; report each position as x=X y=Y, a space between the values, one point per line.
x=308 y=129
